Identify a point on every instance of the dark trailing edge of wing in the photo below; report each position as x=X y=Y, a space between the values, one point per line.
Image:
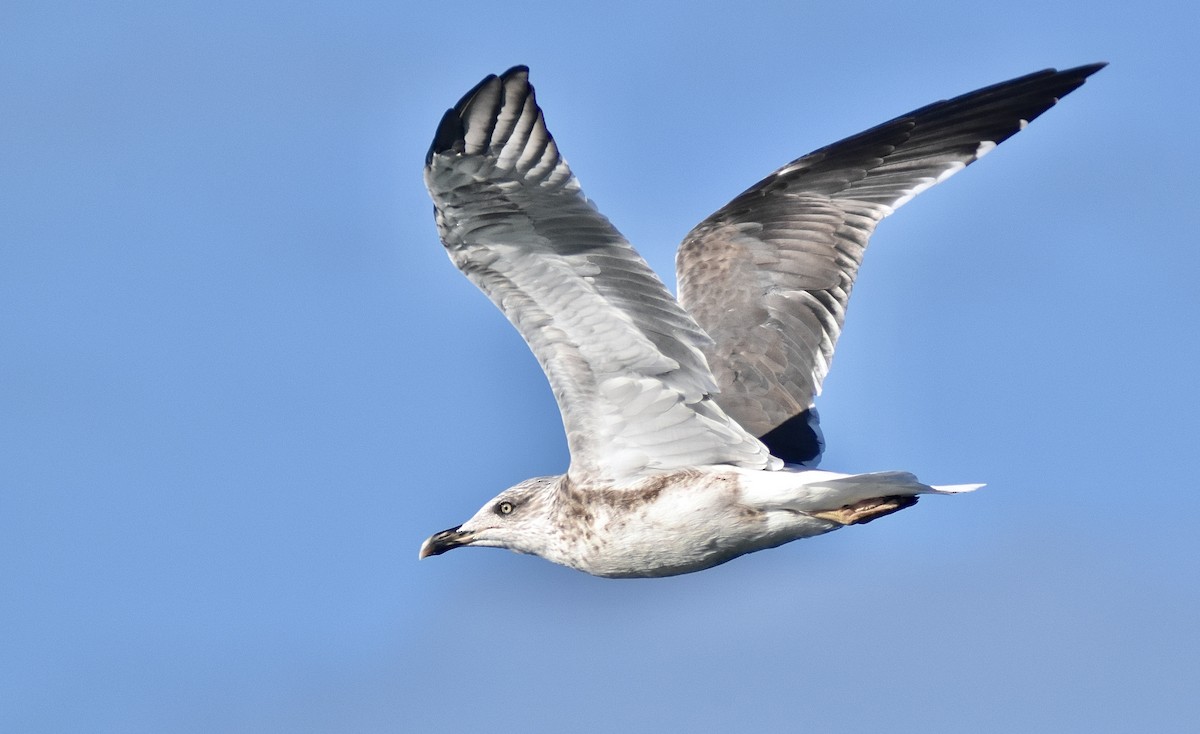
x=450 y=130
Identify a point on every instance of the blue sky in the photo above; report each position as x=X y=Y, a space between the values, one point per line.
x=240 y=382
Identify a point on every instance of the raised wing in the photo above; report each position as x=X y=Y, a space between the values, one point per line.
x=623 y=359
x=768 y=276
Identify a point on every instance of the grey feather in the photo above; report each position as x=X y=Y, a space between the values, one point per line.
x=769 y=275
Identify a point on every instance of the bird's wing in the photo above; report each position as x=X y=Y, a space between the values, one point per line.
x=768 y=276
x=624 y=360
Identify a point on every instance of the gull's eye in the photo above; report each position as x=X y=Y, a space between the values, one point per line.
x=504 y=508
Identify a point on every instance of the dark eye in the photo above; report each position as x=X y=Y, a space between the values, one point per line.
x=504 y=508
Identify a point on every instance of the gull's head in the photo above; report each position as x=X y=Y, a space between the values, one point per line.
x=519 y=519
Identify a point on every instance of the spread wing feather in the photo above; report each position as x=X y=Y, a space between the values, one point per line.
x=768 y=276
x=624 y=360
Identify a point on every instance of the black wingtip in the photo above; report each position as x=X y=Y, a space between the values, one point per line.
x=1087 y=69
x=450 y=130
x=1079 y=74
x=470 y=95
x=449 y=134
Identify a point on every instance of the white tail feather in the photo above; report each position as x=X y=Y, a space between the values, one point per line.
x=955 y=488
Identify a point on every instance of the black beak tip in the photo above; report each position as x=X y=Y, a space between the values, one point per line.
x=439 y=543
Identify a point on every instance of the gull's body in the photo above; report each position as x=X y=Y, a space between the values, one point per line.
x=680 y=421
x=686 y=519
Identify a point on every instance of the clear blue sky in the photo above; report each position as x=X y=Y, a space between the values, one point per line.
x=240 y=381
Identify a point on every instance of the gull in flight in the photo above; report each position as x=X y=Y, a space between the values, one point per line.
x=690 y=422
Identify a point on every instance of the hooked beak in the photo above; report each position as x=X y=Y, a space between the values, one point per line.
x=439 y=543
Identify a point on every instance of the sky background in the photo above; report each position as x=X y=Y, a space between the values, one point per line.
x=240 y=382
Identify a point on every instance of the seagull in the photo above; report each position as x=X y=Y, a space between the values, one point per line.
x=691 y=423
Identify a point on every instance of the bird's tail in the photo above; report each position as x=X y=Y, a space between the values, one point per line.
x=855 y=487
x=859 y=498
x=954 y=488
